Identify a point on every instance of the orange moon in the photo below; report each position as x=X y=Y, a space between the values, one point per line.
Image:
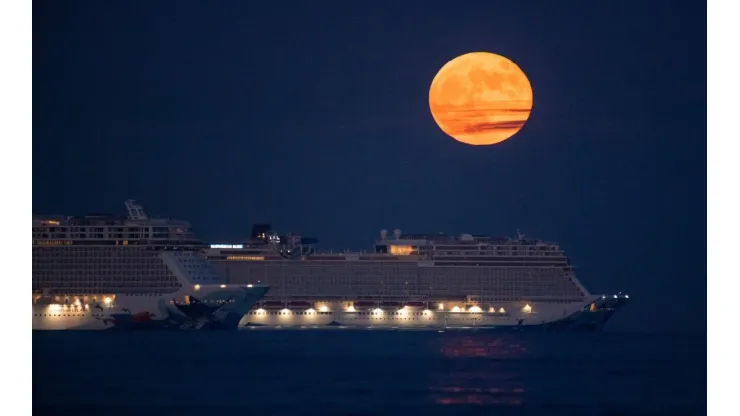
x=480 y=98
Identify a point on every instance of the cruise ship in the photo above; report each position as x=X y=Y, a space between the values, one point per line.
x=433 y=281
x=109 y=272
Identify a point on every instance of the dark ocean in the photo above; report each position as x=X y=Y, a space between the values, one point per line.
x=363 y=372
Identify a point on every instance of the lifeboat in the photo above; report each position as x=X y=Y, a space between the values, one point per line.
x=416 y=304
x=390 y=304
x=299 y=304
x=273 y=304
x=364 y=304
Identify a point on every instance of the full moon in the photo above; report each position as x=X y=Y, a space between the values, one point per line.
x=480 y=98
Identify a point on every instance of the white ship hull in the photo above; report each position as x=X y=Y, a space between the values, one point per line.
x=101 y=271
x=229 y=305
x=199 y=302
x=437 y=281
x=572 y=316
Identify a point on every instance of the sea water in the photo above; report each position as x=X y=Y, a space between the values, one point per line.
x=368 y=372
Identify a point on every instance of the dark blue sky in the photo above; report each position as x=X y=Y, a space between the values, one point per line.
x=315 y=116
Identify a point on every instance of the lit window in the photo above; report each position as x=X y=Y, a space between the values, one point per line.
x=245 y=258
x=401 y=250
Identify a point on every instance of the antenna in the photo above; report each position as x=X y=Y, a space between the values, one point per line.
x=135 y=211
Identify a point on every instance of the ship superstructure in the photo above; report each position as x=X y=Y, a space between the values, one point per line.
x=432 y=280
x=102 y=271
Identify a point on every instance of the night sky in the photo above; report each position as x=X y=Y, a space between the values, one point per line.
x=315 y=116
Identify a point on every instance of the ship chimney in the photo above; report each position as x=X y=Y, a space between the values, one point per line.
x=397 y=234
x=383 y=234
x=135 y=211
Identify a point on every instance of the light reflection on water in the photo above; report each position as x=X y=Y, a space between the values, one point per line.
x=486 y=382
x=371 y=371
x=482 y=345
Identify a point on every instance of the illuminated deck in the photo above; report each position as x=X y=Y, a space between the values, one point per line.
x=407 y=280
